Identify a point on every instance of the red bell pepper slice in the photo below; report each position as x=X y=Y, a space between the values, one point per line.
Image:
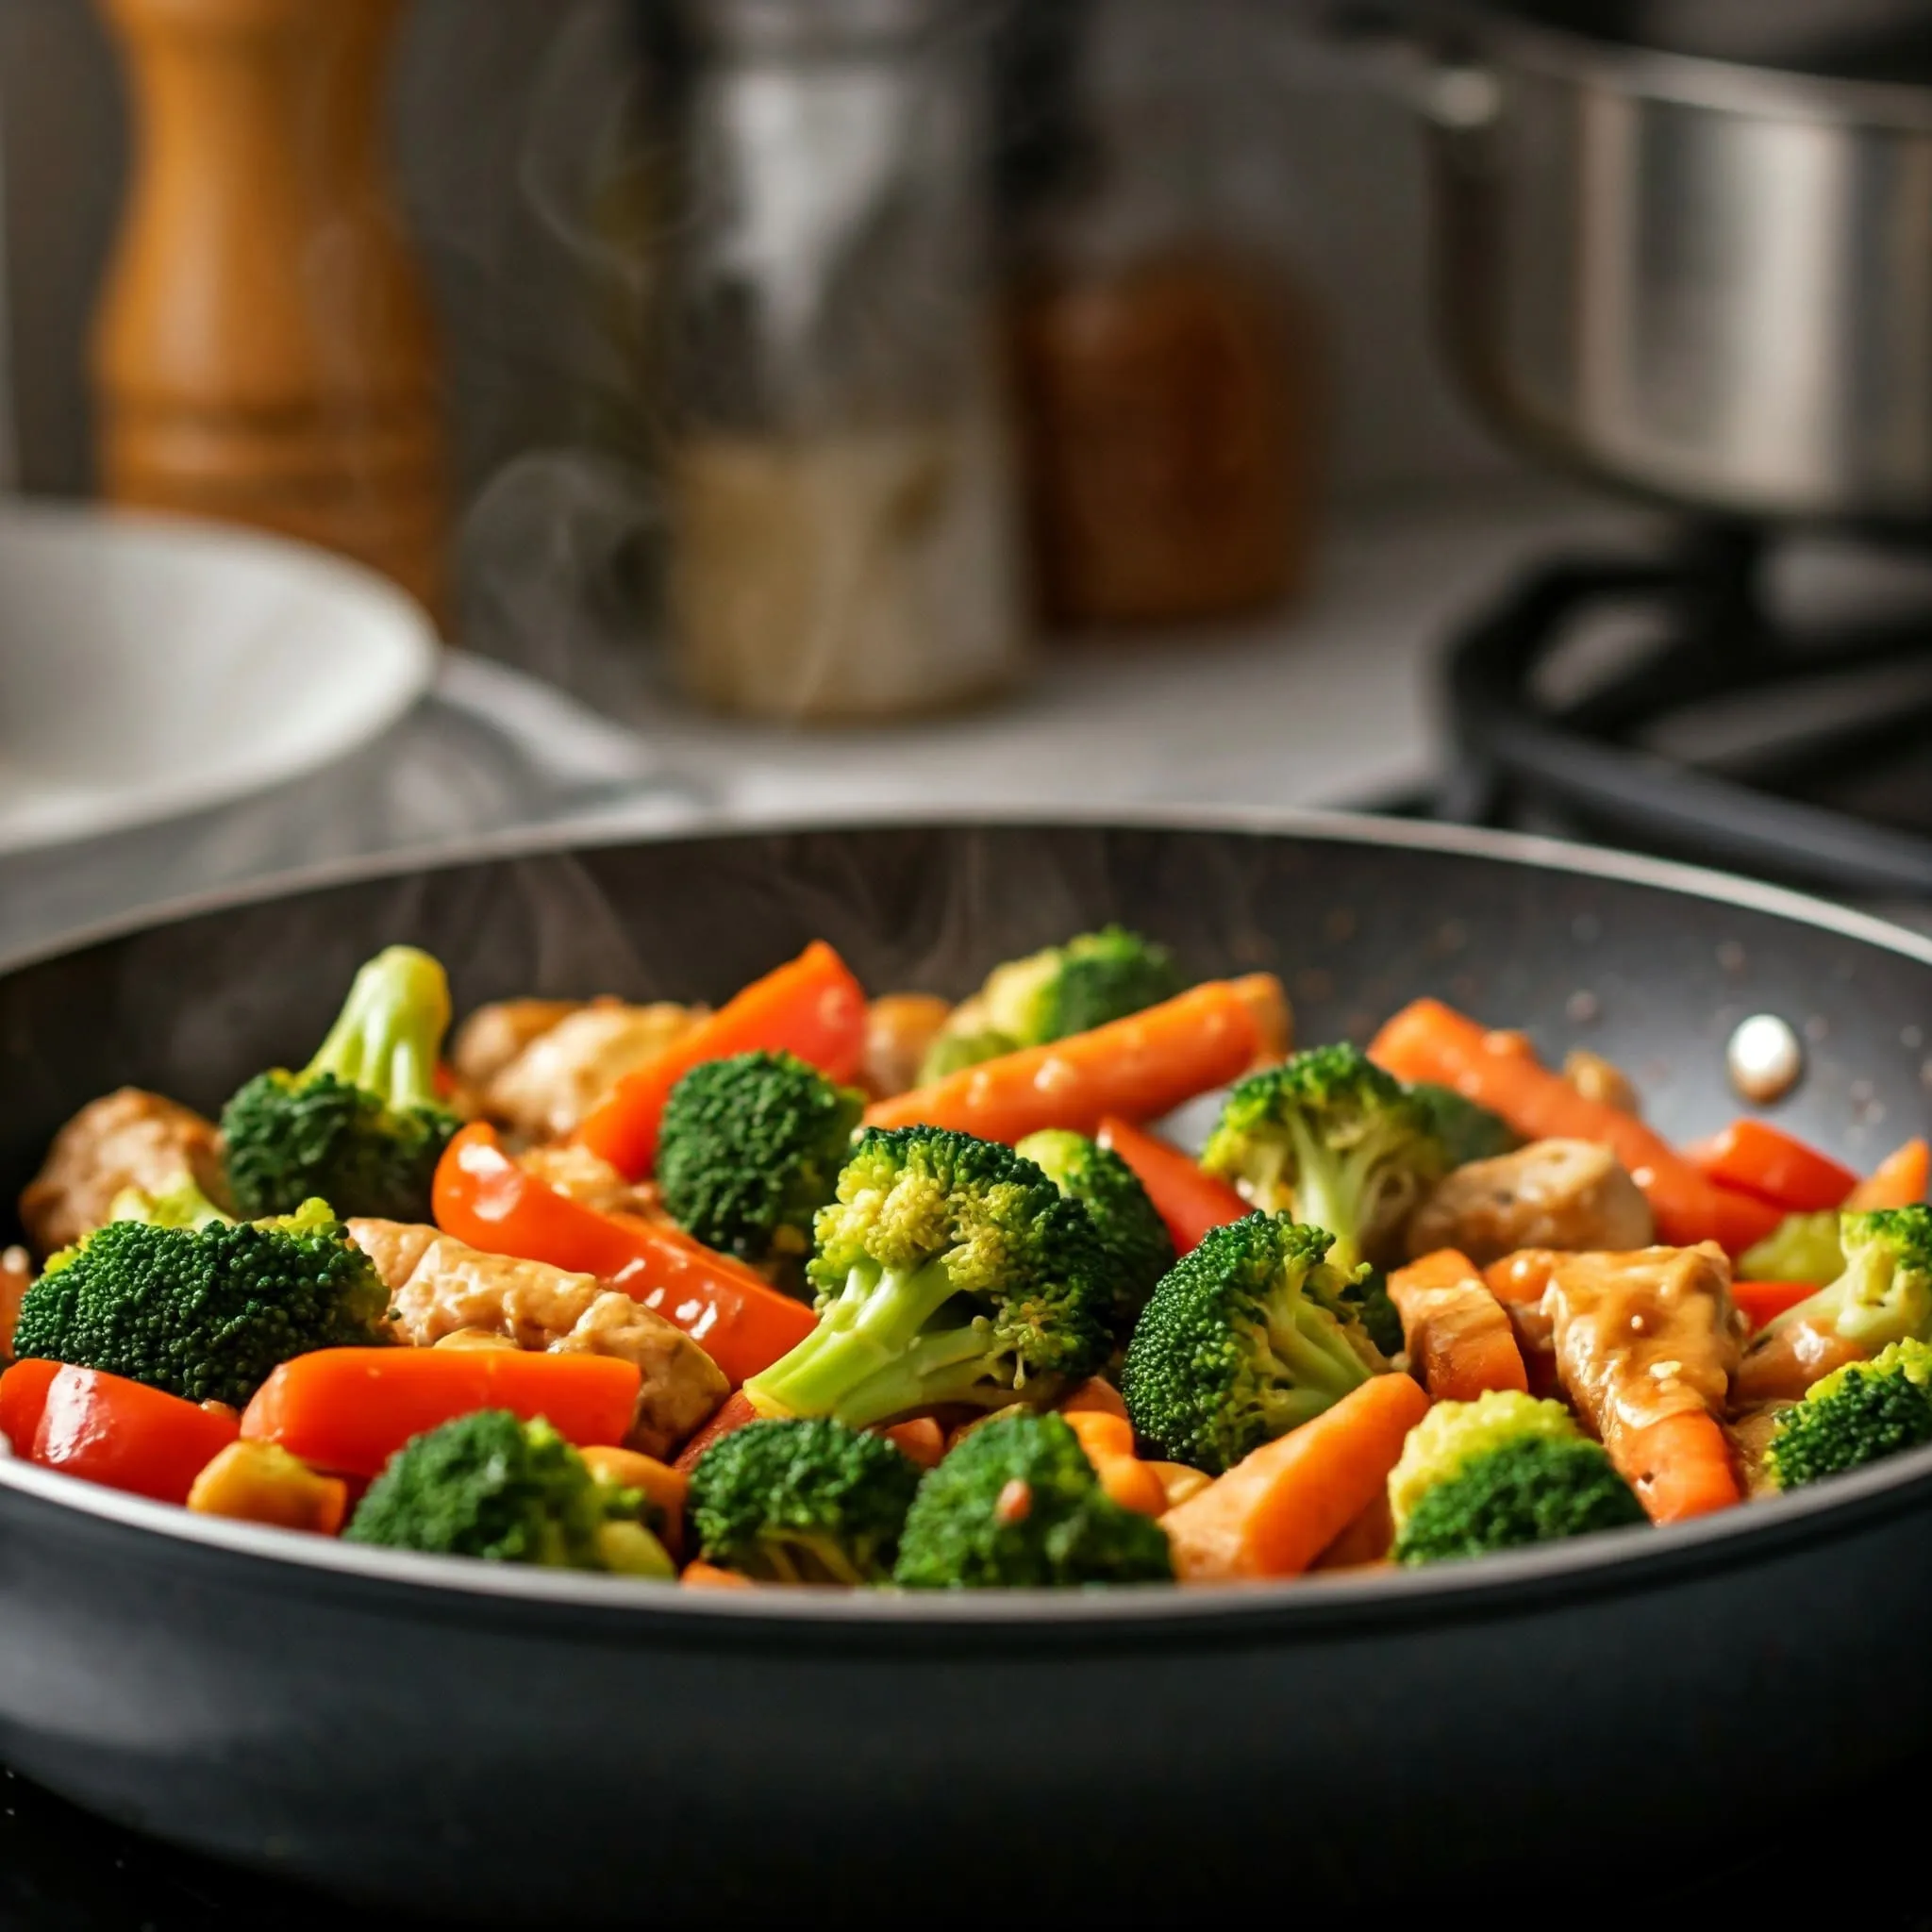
x=1763 y=1302
x=485 y=1198
x=812 y=1007
x=1752 y=1157
x=349 y=1410
x=23 y=1395
x=1191 y=1203
x=736 y=1412
x=107 y=1429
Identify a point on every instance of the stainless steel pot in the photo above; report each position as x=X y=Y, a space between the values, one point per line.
x=1708 y=280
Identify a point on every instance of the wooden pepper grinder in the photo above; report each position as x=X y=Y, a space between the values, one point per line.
x=264 y=352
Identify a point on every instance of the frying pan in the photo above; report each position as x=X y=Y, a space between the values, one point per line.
x=524 y=1745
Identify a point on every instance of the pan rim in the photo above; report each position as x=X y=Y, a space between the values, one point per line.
x=1622 y=1561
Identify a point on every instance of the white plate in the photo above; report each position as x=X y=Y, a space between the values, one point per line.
x=151 y=666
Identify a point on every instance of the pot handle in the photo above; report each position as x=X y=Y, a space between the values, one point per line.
x=1458 y=96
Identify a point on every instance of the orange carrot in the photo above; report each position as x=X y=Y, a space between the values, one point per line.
x=1108 y=1440
x=1521 y=1276
x=1366 y=1541
x=702 y=1575
x=734 y=1412
x=1139 y=1067
x=1763 y=1302
x=1097 y=1393
x=1458 y=1337
x=812 y=1007
x=1430 y=1042
x=1278 y=1509
x=922 y=1441
x=1898 y=1181
x=1100 y=1433
x=1680 y=1467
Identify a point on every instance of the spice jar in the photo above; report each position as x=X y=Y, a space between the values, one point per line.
x=846 y=534
x=1164 y=353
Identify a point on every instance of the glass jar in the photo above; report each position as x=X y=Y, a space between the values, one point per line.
x=1165 y=355
x=845 y=535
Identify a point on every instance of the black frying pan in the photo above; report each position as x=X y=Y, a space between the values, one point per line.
x=520 y=1744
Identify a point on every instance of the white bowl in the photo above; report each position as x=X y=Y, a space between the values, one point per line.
x=154 y=666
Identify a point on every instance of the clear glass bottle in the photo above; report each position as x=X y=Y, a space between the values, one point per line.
x=842 y=491
x=1165 y=354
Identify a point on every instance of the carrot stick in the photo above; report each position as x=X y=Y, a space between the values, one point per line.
x=1100 y=1433
x=1898 y=1181
x=1139 y=1067
x=921 y=1440
x=1458 y=1337
x=1108 y=1440
x=737 y=1410
x=1680 y=1467
x=1097 y=1393
x=1366 y=1541
x=1430 y=1042
x=812 y=1007
x=1189 y=1202
x=699 y=1574
x=1278 y=1509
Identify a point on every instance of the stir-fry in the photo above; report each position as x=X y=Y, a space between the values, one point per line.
x=818 y=1290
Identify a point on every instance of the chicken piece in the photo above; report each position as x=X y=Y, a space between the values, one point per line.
x=564 y=1071
x=898 y=1029
x=1570 y=1195
x=130 y=1139
x=494 y=1036
x=588 y=1178
x=1751 y=1436
x=1643 y=1337
x=1603 y=1081
x=439 y=1287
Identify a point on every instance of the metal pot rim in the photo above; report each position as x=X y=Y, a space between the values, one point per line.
x=1478 y=33
x=1620 y=1561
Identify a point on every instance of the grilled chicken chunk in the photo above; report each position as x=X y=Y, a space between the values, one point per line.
x=1569 y=1194
x=591 y=1179
x=1642 y=1337
x=554 y=1081
x=494 y=1036
x=129 y=1139
x=438 y=1287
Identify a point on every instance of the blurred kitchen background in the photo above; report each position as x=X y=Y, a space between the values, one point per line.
x=786 y=407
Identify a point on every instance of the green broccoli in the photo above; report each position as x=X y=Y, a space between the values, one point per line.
x=1247 y=1337
x=1500 y=1472
x=488 y=1485
x=183 y=1205
x=1134 y=1239
x=1884 y=1293
x=203 y=1312
x=1332 y=1139
x=1016 y=1505
x=361 y=1126
x=750 y=1150
x=1467 y=1131
x=948 y=1269
x=1859 y=1413
x=802 y=1502
x=1802 y=1247
x=1072 y=989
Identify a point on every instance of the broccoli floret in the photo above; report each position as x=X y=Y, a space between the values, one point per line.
x=360 y=1125
x=207 y=1312
x=1884 y=1293
x=1332 y=1139
x=1094 y=978
x=1802 y=1247
x=1467 y=1131
x=1246 y=1337
x=1500 y=1472
x=183 y=1205
x=750 y=1150
x=488 y=1485
x=1016 y=1505
x=1859 y=1413
x=1134 y=1239
x=948 y=1269
x=1381 y=1320
x=802 y=1502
